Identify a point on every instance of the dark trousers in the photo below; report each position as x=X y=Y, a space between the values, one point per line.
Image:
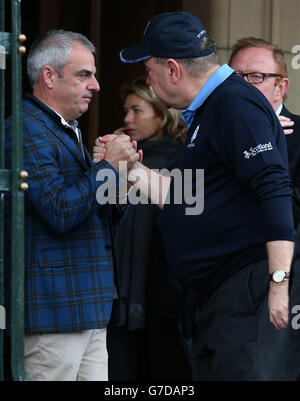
x=127 y=354
x=153 y=353
x=234 y=339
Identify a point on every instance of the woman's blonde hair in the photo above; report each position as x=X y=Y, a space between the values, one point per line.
x=172 y=122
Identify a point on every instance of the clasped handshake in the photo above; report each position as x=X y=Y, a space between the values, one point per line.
x=116 y=148
x=121 y=153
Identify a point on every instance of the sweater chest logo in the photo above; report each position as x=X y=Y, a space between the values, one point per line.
x=194 y=136
x=258 y=149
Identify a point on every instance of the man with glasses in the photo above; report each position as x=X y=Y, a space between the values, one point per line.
x=263 y=65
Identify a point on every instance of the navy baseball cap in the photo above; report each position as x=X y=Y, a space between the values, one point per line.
x=169 y=35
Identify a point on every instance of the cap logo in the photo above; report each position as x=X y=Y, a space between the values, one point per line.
x=201 y=33
x=191 y=144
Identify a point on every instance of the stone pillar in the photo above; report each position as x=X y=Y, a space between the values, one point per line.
x=273 y=20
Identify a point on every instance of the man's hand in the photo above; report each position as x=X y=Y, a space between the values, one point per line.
x=279 y=304
x=99 y=150
x=121 y=149
x=140 y=152
x=286 y=123
x=280 y=254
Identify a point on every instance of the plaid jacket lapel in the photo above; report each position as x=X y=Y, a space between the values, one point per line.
x=35 y=107
x=65 y=138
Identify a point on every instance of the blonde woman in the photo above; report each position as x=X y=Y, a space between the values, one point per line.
x=143 y=340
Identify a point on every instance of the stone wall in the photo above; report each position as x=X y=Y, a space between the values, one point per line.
x=275 y=20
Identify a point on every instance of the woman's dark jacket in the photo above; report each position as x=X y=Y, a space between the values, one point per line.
x=135 y=239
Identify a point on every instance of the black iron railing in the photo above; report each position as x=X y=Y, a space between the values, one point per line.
x=11 y=45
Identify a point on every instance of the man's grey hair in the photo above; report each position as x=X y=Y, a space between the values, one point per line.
x=198 y=66
x=53 y=48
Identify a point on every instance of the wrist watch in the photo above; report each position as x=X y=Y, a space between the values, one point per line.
x=278 y=276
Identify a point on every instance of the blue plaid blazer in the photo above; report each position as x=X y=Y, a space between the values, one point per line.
x=69 y=247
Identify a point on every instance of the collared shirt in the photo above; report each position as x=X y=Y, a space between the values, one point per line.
x=73 y=124
x=219 y=76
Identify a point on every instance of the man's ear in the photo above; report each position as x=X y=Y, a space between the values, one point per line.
x=47 y=75
x=281 y=88
x=174 y=70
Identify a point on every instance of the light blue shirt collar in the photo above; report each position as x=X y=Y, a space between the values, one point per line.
x=278 y=111
x=219 y=76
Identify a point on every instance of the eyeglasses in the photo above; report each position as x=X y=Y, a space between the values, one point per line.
x=257 y=77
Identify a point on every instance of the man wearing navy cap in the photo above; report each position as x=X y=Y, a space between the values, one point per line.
x=236 y=254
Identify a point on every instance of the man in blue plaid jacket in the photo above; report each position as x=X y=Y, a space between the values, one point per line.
x=69 y=247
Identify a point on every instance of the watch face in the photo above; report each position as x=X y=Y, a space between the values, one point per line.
x=278 y=276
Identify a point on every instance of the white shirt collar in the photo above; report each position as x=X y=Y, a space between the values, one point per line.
x=73 y=124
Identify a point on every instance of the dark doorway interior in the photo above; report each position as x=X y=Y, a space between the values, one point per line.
x=111 y=25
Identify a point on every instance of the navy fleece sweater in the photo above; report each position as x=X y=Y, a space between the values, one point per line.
x=237 y=139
